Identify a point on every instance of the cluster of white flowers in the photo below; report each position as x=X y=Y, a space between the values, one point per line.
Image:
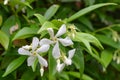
x=37 y=47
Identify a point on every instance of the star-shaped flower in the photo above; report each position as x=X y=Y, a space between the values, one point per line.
x=34 y=51
x=56 y=39
x=66 y=60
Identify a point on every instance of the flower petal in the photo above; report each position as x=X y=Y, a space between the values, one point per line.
x=42 y=61
x=51 y=32
x=27 y=47
x=43 y=48
x=35 y=43
x=23 y=51
x=61 y=31
x=71 y=53
x=30 y=60
x=6 y=2
x=56 y=51
x=66 y=42
x=68 y=61
x=60 y=67
x=45 y=41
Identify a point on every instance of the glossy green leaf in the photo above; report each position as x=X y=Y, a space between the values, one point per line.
x=52 y=65
x=35 y=65
x=1 y=20
x=106 y=57
x=51 y=11
x=78 y=60
x=4 y=40
x=27 y=4
x=116 y=66
x=11 y=21
x=45 y=26
x=14 y=65
x=86 y=22
x=86 y=39
x=25 y=33
x=108 y=41
x=26 y=75
x=40 y=18
x=76 y=74
x=86 y=77
x=87 y=10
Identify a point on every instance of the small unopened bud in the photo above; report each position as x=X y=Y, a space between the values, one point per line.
x=41 y=71
x=6 y=2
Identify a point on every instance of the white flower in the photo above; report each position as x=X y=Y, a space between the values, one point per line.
x=59 y=66
x=66 y=61
x=34 y=51
x=56 y=39
x=6 y=2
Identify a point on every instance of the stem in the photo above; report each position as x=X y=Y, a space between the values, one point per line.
x=106 y=28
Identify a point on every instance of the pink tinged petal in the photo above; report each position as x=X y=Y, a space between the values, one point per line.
x=43 y=48
x=41 y=71
x=35 y=43
x=23 y=51
x=56 y=51
x=61 y=31
x=45 y=41
x=71 y=53
x=66 y=42
x=30 y=60
x=42 y=61
x=51 y=32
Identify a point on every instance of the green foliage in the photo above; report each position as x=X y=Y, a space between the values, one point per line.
x=4 y=40
x=93 y=33
x=13 y=65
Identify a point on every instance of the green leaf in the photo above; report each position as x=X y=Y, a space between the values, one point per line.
x=25 y=33
x=40 y=18
x=116 y=66
x=87 y=10
x=106 y=57
x=26 y=75
x=78 y=60
x=34 y=65
x=76 y=74
x=86 y=22
x=14 y=65
x=51 y=11
x=86 y=77
x=108 y=41
x=4 y=40
x=52 y=65
x=86 y=39
x=27 y=4
x=11 y=21
x=1 y=20
x=45 y=26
